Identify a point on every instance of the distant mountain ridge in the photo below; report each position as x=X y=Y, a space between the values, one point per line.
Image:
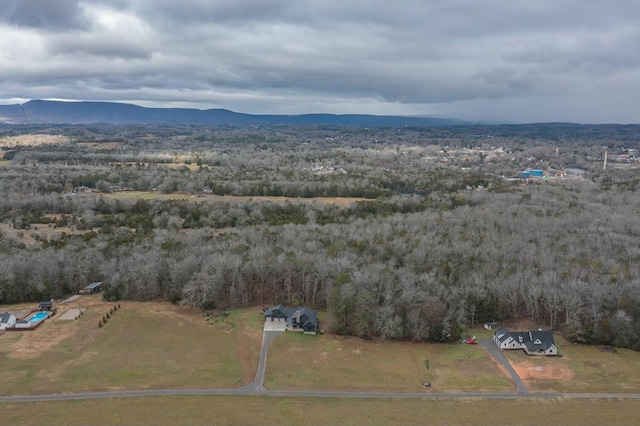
x=57 y=112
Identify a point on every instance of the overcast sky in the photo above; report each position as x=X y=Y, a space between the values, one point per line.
x=498 y=61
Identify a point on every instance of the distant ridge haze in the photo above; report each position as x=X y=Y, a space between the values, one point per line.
x=59 y=112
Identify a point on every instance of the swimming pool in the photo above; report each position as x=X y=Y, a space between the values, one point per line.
x=39 y=316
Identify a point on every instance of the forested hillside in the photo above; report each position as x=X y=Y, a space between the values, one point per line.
x=439 y=234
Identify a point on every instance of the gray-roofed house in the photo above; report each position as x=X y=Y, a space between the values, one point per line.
x=302 y=319
x=46 y=306
x=534 y=342
x=91 y=288
x=7 y=320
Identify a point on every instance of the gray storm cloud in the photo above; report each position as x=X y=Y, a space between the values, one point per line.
x=500 y=61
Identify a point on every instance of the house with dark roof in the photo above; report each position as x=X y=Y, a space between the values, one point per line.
x=534 y=342
x=7 y=320
x=46 y=306
x=302 y=319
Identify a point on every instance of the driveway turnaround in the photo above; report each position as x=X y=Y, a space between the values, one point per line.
x=496 y=352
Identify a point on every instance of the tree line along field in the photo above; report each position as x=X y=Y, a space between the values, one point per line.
x=437 y=237
x=158 y=345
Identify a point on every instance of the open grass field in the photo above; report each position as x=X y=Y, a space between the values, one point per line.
x=580 y=368
x=43 y=231
x=103 y=146
x=228 y=198
x=159 y=345
x=193 y=166
x=335 y=363
x=143 y=345
x=32 y=140
x=3 y=162
x=264 y=410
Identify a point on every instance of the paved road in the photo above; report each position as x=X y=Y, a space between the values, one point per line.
x=311 y=394
x=495 y=351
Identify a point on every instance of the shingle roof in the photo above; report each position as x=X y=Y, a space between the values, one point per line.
x=535 y=339
x=93 y=285
x=4 y=317
x=502 y=334
x=290 y=313
x=539 y=339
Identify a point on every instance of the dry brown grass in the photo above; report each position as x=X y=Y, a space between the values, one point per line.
x=335 y=363
x=265 y=410
x=106 y=146
x=32 y=140
x=230 y=198
x=579 y=368
x=44 y=231
x=32 y=344
x=142 y=346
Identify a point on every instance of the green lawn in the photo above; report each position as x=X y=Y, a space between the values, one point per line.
x=264 y=410
x=328 y=362
x=142 y=346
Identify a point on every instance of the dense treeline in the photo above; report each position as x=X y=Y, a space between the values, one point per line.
x=562 y=256
x=469 y=247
